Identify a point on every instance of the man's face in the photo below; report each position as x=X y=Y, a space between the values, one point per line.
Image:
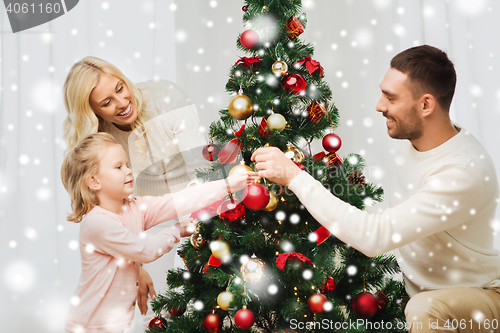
x=399 y=106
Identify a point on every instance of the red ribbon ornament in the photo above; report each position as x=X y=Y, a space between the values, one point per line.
x=311 y=65
x=319 y=156
x=212 y=261
x=322 y=235
x=263 y=128
x=248 y=62
x=229 y=153
x=283 y=258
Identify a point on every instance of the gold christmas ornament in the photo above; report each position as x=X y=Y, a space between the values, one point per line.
x=196 y=240
x=219 y=249
x=279 y=68
x=293 y=153
x=276 y=122
x=224 y=299
x=240 y=168
x=253 y=269
x=241 y=106
x=273 y=202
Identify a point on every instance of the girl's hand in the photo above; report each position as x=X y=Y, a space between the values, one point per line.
x=186 y=227
x=145 y=287
x=239 y=181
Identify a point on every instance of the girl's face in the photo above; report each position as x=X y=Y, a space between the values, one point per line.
x=114 y=179
x=111 y=100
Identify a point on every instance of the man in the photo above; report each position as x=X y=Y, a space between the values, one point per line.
x=439 y=224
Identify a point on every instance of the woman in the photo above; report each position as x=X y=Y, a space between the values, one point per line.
x=153 y=121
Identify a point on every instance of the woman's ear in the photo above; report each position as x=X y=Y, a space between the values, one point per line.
x=93 y=183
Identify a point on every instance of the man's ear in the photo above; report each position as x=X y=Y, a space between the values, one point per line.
x=93 y=183
x=428 y=104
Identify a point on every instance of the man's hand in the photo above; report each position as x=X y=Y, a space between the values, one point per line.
x=145 y=286
x=274 y=165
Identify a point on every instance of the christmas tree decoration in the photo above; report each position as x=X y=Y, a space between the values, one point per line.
x=219 y=249
x=279 y=68
x=311 y=65
x=244 y=318
x=240 y=106
x=294 y=83
x=322 y=234
x=224 y=299
x=316 y=112
x=332 y=142
x=210 y=152
x=382 y=300
x=284 y=257
x=212 y=262
x=365 y=305
x=248 y=62
x=293 y=153
x=263 y=130
x=357 y=178
x=255 y=196
x=253 y=269
x=197 y=240
x=177 y=312
x=328 y=286
x=244 y=8
x=157 y=324
x=206 y=213
x=249 y=39
x=294 y=27
x=240 y=168
x=276 y=122
x=333 y=159
x=232 y=210
x=212 y=323
x=231 y=151
x=273 y=202
x=317 y=302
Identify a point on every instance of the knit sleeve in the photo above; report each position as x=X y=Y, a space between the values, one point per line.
x=109 y=236
x=446 y=200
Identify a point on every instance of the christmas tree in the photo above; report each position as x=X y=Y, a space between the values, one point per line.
x=259 y=261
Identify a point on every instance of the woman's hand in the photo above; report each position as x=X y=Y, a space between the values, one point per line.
x=145 y=287
x=240 y=180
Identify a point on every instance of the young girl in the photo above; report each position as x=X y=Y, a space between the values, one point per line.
x=98 y=179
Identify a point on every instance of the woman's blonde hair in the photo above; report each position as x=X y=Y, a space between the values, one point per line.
x=81 y=80
x=80 y=163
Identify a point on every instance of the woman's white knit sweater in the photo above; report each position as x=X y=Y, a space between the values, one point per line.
x=440 y=223
x=164 y=160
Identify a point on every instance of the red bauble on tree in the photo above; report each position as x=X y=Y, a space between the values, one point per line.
x=317 y=302
x=244 y=319
x=212 y=323
x=157 y=323
x=232 y=210
x=249 y=39
x=328 y=285
x=210 y=152
x=256 y=197
x=294 y=83
x=332 y=142
x=177 y=312
x=365 y=305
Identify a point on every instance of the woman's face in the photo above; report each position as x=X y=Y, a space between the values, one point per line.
x=111 y=100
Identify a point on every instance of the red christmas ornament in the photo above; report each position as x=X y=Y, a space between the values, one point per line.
x=249 y=39
x=282 y=259
x=248 y=62
x=365 y=305
x=294 y=27
x=244 y=8
x=316 y=303
x=244 y=319
x=333 y=159
x=229 y=154
x=328 y=285
x=212 y=323
x=232 y=210
x=312 y=65
x=381 y=299
x=332 y=142
x=263 y=130
x=316 y=111
x=206 y=213
x=157 y=323
x=256 y=197
x=294 y=83
x=210 y=152
x=177 y=312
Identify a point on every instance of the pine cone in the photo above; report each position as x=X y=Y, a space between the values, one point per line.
x=357 y=178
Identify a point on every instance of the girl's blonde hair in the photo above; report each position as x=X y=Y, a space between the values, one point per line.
x=80 y=163
x=81 y=80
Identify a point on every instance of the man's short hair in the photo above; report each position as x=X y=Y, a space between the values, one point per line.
x=430 y=71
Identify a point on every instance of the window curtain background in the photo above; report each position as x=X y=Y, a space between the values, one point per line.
x=193 y=43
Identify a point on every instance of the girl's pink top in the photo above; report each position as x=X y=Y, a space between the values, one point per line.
x=112 y=247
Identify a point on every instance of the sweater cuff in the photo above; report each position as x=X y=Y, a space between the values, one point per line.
x=302 y=183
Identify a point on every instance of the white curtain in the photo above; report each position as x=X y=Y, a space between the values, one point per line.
x=192 y=42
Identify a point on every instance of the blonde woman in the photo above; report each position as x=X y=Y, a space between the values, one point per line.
x=156 y=125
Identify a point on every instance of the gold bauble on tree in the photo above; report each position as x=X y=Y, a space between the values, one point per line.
x=279 y=68
x=224 y=299
x=293 y=153
x=197 y=240
x=273 y=202
x=240 y=168
x=219 y=249
x=276 y=122
x=253 y=269
x=241 y=106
